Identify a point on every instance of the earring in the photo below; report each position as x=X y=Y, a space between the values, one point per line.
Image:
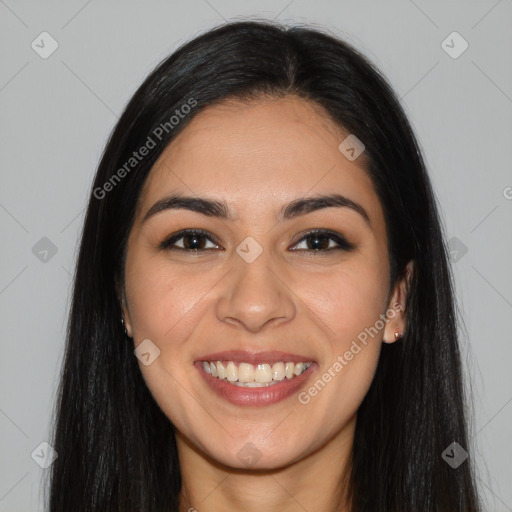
x=397 y=333
x=124 y=326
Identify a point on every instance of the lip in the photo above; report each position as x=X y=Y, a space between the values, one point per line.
x=255 y=396
x=245 y=356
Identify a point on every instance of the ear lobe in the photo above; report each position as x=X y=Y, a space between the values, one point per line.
x=125 y=319
x=127 y=327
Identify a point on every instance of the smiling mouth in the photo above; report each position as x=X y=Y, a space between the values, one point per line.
x=248 y=378
x=248 y=375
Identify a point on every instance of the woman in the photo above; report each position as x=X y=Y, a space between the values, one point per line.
x=263 y=315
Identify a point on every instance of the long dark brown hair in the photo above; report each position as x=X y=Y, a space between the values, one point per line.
x=116 y=448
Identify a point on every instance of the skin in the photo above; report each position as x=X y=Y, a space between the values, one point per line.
x=258 y=157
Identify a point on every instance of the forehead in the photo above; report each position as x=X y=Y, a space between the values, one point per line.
x=259 y=155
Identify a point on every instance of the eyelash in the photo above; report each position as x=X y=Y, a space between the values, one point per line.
x=343 y=244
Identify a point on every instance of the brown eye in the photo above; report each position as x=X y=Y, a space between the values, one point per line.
x=323 y=241
x=188 y=240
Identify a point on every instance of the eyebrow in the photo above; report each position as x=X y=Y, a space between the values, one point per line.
x=220 y=209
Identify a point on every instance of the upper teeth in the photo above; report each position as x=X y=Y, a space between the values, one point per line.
x=246 y=372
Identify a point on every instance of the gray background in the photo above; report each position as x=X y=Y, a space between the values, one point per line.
x=56 y=115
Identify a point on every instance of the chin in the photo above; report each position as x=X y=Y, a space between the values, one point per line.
x=251 y=458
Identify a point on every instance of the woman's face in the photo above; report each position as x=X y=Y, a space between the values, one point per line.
x=259 y=286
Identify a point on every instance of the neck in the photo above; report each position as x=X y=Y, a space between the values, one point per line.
x=316 y=482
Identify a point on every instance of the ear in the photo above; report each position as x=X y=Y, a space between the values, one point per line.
x=121 y=296
x=396 y=307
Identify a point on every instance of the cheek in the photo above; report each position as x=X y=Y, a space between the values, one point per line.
x=348 y=300
x=163 y=300
x=349 y=303
x=166 y=306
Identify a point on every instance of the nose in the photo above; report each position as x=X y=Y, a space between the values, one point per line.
x=256 y=296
